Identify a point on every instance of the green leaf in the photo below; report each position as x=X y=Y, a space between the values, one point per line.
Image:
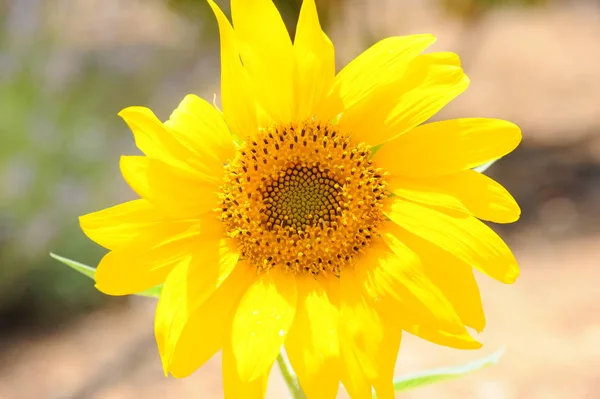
x=411 y=381
x=153 y=292
x=485 y=166
x=89 y=271
x=80 y=267
x=289 y=376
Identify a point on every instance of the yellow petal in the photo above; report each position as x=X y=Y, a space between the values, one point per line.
x=482 y=196
x=360 y=325
x=358 y=347
x=236 y=387
x=388 y=351
x=239 y=105
x=187 y=288
x=197 y=343
x=172 y=190
x=443 y=148
x=461 y=235
x=201 y=128
x=383 y=63
x=350 y=366
x=425 y=191
x=430 y=82
x=155 y=141
x=466 y=191
x=136 y=268
x=351 y=373
x=315 y=62
x=442 y=337
x=453 y=277
x=397 y=272
x=267 y=54
x=261 y=322
x=312 y=344
x=120 y=225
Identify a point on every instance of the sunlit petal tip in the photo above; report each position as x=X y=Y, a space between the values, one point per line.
x=512 y=131
x=103 y=284
x=214 y=6
x=511 y=213
x=96 y=286
x=470 y=344
x=512 y=275
x=165 y=366
x=84 y=218
x=140 y=119
x=133 y=111
x=446 y=58
x=428 y=38
x=85 y=222
x=457 y=340
x=517 y=214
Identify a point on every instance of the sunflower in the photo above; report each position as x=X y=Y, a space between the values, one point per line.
x=317 y=211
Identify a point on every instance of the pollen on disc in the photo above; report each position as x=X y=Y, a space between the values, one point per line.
x=302 y=197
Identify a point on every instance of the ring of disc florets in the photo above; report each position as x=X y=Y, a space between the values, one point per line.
x=302 y=197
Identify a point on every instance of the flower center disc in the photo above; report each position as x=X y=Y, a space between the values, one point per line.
x=302 y=197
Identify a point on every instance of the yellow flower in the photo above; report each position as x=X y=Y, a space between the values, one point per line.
x=338 y=220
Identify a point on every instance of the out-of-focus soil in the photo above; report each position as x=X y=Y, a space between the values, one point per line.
x=537 y=68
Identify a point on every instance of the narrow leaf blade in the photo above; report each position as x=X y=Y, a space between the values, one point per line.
x=89 y=271
x=153 y=292
x=80 y=267
x=411 y=381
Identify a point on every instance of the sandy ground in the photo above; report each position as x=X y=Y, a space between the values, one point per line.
x=548 y=321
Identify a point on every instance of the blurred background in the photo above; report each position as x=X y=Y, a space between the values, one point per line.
x=68 y=66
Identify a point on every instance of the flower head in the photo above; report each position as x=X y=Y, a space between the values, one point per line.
x=317 y=211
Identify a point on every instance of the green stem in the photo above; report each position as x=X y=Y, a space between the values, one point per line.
x=289 y=376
